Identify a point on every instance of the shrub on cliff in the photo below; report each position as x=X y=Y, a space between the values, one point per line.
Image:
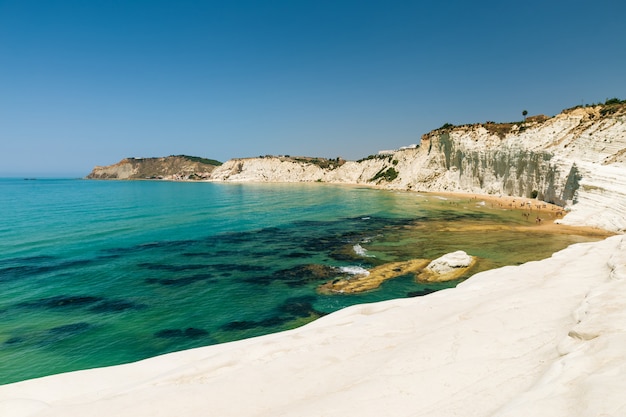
x=369 y=157
x=201 y=160
x=611 y=106
x=614 y=100
x=388 y=175
x=320 y=162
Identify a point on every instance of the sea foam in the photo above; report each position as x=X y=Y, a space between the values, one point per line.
x=361 y=251
x=354 y=270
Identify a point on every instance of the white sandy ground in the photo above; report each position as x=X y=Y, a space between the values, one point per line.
x=546 y=338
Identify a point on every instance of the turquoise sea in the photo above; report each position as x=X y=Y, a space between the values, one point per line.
x=96 y=273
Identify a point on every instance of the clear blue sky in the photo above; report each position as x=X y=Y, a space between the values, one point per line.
x=89 y=82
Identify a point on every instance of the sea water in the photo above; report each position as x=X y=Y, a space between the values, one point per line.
x=96 y=273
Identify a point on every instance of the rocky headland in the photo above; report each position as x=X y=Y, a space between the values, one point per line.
x=175 y=167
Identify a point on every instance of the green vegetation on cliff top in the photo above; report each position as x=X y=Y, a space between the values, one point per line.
x=187 y=157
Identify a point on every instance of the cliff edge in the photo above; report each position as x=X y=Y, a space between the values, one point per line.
x=575 y=159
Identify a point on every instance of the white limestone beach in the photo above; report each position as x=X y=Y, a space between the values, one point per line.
x=546 y=338
x=543 y=338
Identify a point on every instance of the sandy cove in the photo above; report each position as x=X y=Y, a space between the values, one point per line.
x=523 y=204
x=549 y=215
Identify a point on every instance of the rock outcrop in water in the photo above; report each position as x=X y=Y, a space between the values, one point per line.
x=448 y=267
x=578 y=156
x=180 y=167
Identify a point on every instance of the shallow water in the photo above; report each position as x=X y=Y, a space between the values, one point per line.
x=96 y=273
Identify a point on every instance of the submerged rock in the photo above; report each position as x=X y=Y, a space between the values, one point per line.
x=293 y=309
x=189 y=332
x=302 y=274
x=62 y=302
x=374 y=278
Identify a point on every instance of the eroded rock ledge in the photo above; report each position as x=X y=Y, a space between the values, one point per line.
x=449 y=267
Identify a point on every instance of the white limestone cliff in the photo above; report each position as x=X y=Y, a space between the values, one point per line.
x=576 y=159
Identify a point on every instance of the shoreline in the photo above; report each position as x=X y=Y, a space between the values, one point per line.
x=544 y=213
x=505 y=347
x=485 y=345
x=550 y=214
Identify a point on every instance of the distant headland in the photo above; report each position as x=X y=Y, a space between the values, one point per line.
x=175 y=167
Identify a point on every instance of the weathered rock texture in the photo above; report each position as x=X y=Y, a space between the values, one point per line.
x=179 y=167
x=449 y=267
x=575 y=158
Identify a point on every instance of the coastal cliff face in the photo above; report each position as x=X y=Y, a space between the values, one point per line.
x=179 y=167
x=575 y=159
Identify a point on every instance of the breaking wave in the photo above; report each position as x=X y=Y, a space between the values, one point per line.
x=354 y=270
x=361 y=251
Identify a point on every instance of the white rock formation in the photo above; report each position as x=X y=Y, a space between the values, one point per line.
x=449 y=262
x=448 y=267
x=546 y=338
x=574 y=159
x=267 y=169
